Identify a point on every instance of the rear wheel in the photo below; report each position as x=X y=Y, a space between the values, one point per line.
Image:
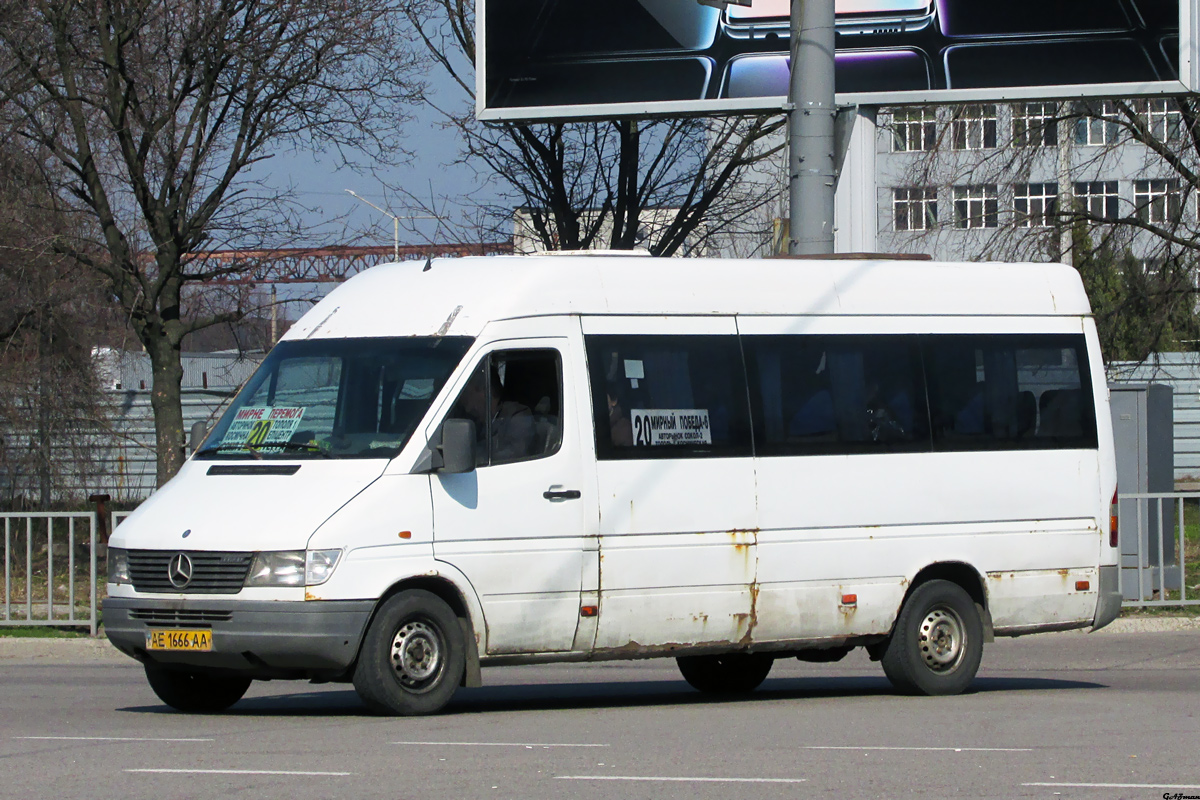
x=195 y=692
x=413 y=656
x=728 y=673
x=937 y=644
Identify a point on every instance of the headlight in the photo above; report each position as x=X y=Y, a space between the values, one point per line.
x=118 y=565
x=320 y=566
x=277 y=568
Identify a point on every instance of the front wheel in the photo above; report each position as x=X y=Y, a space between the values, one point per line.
x=195 y=692
x=728 y=673
x=413 y=656
x=937 y=643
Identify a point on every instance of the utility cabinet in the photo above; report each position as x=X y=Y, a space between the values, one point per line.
x=1143 y=432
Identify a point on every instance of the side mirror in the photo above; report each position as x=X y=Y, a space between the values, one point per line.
x=199 y=431
x=458 y=446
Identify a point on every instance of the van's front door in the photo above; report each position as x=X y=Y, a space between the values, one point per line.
x=515 y=525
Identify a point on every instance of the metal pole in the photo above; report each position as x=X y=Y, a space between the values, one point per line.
x=811 y=129
x=395 y=223
x=1066 y=237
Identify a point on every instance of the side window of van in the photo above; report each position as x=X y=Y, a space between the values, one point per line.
x=515 y=400
x=836 y=394
x=1006 y=392
x=668 y=396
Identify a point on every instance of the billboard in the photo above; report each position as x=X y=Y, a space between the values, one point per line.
x=573 y=59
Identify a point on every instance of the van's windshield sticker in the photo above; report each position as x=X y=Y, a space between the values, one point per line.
x=261 y=427
x=664 y=426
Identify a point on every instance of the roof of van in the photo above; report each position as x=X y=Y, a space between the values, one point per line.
x=460 y=296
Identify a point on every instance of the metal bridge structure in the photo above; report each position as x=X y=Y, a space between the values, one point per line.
x=332 y=264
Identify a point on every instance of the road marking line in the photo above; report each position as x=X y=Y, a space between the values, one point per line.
x=237 y=772
x=933 y=749
x=500 y=744
x=1119 y=785
x=677 y=780
x=106 y=739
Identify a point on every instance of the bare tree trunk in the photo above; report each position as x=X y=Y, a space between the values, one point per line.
x=165 y=400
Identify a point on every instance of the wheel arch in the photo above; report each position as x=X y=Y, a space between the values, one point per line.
x=459 y=602
x=965 y=576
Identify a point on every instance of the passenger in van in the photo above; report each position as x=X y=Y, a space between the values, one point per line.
x=620 y=429
x=511 y=422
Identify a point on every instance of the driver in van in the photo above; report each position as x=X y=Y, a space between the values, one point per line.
x=512 y=423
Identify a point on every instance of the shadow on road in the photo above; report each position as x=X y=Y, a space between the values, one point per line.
x=613 y=694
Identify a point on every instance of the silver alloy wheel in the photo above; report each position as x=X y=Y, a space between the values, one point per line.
x=943 y=639
x=417 y=655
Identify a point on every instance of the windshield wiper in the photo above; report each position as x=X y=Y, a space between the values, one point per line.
x=303 y=447
x=254 y=449
x=219 y=448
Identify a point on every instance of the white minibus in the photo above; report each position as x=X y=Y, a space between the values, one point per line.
x=476 y=462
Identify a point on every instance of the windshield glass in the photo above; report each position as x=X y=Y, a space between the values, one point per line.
x=335 y=398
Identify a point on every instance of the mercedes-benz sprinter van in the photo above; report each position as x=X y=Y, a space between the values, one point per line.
x=512 y=460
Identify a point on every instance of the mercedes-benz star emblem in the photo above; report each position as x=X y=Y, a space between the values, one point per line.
x=179 y=570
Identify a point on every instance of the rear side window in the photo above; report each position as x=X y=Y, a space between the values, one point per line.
x=1009 y=392
x=668 y=396
x=836 y=394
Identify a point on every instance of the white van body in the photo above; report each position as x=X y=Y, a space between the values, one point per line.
x=762 y=530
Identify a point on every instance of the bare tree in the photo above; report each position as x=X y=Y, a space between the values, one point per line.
x=672 y=186
x=154 y=112
x=54 y=310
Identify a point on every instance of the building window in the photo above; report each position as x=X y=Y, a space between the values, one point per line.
x=914 y=209
x=1098 y=198
x=1093 y=130
x=913 y=130
x=1157 y=201
x=973 y=127
x=975 y=206
x=1161 y=117
x=1035 y=204
x=1035 y=125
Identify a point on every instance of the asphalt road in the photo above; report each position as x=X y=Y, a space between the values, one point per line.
x=1109 y=715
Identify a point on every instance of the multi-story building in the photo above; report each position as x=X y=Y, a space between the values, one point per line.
x=986 y=180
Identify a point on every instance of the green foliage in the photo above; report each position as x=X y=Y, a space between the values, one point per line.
x=1139 y=309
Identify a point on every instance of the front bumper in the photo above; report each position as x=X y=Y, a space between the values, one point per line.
x=258 y=639
x=1108 y=602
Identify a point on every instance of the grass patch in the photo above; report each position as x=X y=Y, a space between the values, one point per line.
x=42 y=632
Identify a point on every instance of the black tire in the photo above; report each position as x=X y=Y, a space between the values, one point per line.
x=728 y=673
x=195 y=692
x=413 y=656
x=937 y=643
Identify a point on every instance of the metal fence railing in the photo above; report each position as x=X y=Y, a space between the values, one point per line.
x=50 y=570
x=1160 y=548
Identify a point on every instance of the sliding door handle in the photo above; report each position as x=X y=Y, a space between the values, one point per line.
x=557 y=493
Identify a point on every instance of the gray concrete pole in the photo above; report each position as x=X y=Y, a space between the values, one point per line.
x=810 y=129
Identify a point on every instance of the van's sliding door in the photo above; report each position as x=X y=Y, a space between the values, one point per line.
x=675 y=482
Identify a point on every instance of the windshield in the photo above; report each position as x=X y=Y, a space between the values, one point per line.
x=335 y=398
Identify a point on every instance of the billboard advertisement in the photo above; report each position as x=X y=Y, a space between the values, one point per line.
x=565 y=59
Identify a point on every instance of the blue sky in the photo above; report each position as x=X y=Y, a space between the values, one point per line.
x=321 y=182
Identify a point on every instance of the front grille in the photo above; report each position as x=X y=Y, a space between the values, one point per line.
x=212 y=572
x=171 y=616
